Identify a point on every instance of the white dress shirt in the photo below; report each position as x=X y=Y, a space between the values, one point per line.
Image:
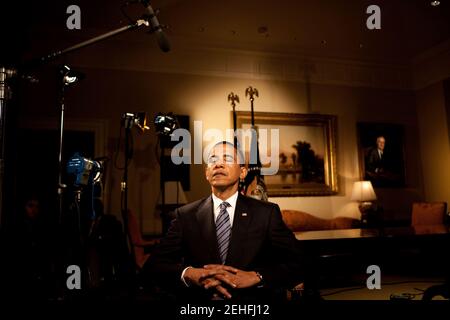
x=380 y=153
x=216 y=205
x=231 y=200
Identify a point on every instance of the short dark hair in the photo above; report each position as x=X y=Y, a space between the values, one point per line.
x=235 y=146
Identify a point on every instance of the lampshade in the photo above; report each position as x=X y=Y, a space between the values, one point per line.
x=363 y=191
x=172 y=190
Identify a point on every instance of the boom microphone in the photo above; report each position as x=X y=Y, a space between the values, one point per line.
x=163 y=42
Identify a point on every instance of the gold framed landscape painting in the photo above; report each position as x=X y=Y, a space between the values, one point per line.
x=307 y=152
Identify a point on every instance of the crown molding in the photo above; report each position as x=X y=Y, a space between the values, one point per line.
x=188 y=56
x=431 y=66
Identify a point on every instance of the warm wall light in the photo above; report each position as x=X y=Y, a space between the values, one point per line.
x=138 y=119
x=363 y=193
x=435 y=3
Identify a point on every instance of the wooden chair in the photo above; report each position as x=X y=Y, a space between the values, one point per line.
x=428 y=213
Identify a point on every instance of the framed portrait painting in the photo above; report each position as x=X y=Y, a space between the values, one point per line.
x=381 y=154
x=306 y=153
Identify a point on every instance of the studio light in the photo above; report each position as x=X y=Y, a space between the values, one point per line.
x=138 y=119
x=85 y=171
x=70 y=76
x=165 y=124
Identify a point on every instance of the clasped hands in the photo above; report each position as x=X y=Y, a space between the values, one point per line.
x=221 y=278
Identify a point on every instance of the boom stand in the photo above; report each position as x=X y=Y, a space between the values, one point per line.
x=128 y=124
x=5 y=95
x=66 y=81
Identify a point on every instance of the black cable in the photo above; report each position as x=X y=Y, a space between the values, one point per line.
x=130 y=150
x=409 y=281
x=78 y=213
x=116 y=156
x=413 y=295
x=410 y=295
x=127 y=153
x=178 y=191
x=157 y=155
x=122 y=208
x=93 y=213
x=384 y=284
x=342 y=290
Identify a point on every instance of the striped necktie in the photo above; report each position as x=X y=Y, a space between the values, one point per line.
x=223 y=230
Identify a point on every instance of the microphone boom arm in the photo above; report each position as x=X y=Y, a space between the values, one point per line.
x=89 y=42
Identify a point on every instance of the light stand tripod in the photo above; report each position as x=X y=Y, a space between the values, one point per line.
x=85 y=173
x=68 y=77
x=165 y=125
x=128 y=122
x=162 y=186
x=5 y=95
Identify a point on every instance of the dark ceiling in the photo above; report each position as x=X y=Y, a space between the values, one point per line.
x=325 y=28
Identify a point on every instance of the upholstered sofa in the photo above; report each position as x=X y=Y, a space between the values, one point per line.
x=302 y=221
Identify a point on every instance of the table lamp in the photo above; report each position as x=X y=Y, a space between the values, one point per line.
x=363 y=193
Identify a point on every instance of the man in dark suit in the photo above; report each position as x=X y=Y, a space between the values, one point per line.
x=227 y=245
x=380 y=168
x=376 y=159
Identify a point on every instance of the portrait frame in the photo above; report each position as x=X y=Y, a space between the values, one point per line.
x=290 y=180
x=394 y=175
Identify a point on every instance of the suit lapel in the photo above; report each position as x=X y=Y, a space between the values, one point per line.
x=242 y=218
x=205 y=218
